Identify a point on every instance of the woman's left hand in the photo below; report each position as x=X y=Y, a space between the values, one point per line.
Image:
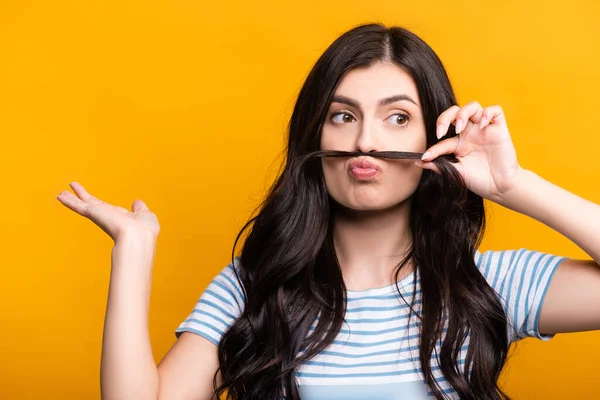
x=487 y=157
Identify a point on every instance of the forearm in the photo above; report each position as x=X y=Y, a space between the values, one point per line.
x=574 y=217
x=128 y=370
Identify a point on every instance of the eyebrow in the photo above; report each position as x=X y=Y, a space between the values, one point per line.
x=383 y=102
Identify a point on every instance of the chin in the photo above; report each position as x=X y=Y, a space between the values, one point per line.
x=370 y=196
x=372 y=205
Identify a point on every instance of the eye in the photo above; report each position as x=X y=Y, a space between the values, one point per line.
x=399 y=119
x=342 y=117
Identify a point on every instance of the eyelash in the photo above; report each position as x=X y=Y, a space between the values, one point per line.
x=335 y=114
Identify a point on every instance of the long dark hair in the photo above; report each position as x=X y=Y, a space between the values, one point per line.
x=289 y=270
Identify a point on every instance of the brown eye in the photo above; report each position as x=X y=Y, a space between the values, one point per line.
x=399 y=119
x=342 y=118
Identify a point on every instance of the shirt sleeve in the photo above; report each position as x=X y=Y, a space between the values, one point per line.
x=521 y=278
x=220 y=304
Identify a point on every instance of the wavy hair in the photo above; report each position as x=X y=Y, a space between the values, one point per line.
x=290 y=273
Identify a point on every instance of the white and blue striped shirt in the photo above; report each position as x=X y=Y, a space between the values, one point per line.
x=376 y=354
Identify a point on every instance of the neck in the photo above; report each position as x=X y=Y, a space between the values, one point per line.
x=370 y=244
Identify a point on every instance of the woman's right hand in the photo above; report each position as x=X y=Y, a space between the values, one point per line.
x=114 y=220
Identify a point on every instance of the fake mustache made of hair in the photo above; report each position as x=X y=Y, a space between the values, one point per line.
x=394 y=155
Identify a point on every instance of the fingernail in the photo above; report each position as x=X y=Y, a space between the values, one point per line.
x=419 y=164
x=458 y=126
x=426 y=155
x=439 y=131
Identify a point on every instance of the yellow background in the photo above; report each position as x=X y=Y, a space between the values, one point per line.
x=184 y=104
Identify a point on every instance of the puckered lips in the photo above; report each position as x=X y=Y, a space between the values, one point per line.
x=363 y=169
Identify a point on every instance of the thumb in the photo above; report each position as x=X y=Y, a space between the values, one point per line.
x=139 y=205
x=446 y=146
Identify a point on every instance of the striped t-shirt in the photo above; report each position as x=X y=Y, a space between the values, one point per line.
x=376 y=354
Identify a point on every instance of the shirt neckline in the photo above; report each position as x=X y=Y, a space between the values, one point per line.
x=402 y=283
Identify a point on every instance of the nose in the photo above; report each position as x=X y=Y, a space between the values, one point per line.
x=366 y=140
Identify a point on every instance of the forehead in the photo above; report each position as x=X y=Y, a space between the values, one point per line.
x=369 y=85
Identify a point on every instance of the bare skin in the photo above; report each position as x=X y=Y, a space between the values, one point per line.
x=128 y=370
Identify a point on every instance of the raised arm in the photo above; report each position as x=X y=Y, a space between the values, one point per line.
x=489 y=166
x=572 y=302
x=128 y=370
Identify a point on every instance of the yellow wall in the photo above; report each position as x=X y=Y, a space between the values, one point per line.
x=184 y=104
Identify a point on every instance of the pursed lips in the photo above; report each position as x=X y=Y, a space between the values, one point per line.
x=364 y=164
x=362 y=169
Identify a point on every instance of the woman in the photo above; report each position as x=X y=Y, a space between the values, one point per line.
x=360 y=276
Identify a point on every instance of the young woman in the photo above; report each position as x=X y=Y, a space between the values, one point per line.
x=360 y=277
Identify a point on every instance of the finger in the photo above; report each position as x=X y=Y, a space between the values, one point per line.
x=73 y=202
x=139 y=205
x=83 y=194
x=123 y=210
x=446 y=146
x=444 y=121
x=472 y=111
x=492 y=115
x=428 y=165
x=433 y=167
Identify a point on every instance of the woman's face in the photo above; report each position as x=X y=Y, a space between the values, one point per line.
x=373 y=109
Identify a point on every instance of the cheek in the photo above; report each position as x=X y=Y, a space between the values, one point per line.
x=334 y=174
x=415 y=141
x=336 y=140
x=401 y=180
x=406 y=178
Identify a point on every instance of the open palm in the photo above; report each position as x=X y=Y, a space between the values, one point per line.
x=114 y=220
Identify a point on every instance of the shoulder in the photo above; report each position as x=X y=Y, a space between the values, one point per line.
x=504 y=268
x=219 y=305
x=227 y=286
x=521 y=279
